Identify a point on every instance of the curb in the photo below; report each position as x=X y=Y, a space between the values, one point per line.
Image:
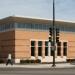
x=38 y=66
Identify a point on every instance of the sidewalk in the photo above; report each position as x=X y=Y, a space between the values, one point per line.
x=60 y=65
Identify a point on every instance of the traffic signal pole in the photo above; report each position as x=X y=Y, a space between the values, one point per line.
x=53 y=36
x=53 y=29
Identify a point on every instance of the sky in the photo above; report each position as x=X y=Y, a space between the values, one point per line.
x=64 y=9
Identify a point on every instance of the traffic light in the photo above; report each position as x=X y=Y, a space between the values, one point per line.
x=57 y=39
x=50 y=31
x=57 y=35
x=57 y=32
x=50 y=39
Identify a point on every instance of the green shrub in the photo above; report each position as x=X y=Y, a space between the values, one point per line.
x=25 y=61
x=30 y=61
x=37 y=61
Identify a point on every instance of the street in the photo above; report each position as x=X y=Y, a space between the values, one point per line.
x=33 y=71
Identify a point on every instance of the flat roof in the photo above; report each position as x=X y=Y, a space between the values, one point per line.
x=24 y=19
x=44 y=18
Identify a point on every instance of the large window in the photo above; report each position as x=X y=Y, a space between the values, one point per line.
x=39 y=48
x=32 y=51
x=59 y=49
x=32 y=48
x=51 y=49
x=39 y=51
x=46 y=51
x=46 y=48
x=65 y=48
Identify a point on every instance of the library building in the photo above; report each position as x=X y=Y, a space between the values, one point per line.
x=28 y=39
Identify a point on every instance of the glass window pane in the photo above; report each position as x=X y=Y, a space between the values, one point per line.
x=65 y=48
x=39 y=51
x=46 y=51
x=46 y=43
x=32 y=43
x=39 y=43
x=59 y=49
x=32 y=51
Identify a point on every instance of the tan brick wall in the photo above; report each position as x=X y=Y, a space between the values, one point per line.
x=36 y=49
x=7 y=44
x=18 y=42
x=23 y=42
x=21 y=37
x=70 y=38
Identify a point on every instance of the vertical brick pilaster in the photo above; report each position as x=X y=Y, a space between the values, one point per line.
x=36 y=49
x=61 y=49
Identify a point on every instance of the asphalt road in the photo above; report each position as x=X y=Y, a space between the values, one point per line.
x=23 y=71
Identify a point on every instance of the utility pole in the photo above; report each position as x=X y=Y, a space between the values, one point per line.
x=53 y=29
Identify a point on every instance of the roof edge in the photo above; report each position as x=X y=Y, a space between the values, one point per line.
x=38 y=18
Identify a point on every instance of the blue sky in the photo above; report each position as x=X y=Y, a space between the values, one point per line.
x=65 y=9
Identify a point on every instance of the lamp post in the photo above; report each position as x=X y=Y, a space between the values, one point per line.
x=53 y=29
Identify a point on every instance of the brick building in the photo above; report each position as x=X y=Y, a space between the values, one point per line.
x=27 y=38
